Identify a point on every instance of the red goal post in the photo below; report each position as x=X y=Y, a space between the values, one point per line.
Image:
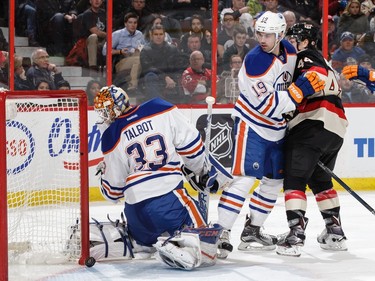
x=44 y=202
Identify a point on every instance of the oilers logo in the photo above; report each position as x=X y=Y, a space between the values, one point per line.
x=283 y=81
x=20 y=147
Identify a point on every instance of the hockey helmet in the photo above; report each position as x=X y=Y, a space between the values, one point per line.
x=302 y=31
x=270 y=22
x=111 y=102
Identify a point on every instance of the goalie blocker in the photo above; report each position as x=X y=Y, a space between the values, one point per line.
x=213 y=180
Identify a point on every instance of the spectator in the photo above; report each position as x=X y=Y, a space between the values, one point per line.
x=347 y=49
x=333 y=37
x=55 y=25
x=228 y=84
x=139 y=8
x=196 y=27
x=172 y=26
x=63 y=85
x=156 y=19
x=159 y=67
x=196 y=80
x=91 y=38
x=194 y=44
x=255 y=7
x=127 y=44
x=366 y=62
x=26 y=20
x=4 y=68
x=239 y=47
x=353 y=20
x=183 y=9
x=304 y=9
x=353 y=92
x=366 y=7
x=290 y=18
x=20 y=80
x=92 y=88
x=41 y=68
x=4 y=46
x=225 y=36
x=272 y=6
x=42 y=84
x=241 y=12
x=367 y=43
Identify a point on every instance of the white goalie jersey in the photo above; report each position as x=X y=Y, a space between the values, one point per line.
x=144 y=149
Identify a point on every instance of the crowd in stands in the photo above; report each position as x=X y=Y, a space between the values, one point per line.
x=155 y=44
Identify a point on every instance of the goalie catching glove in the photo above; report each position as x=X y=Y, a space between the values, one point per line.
x=305 y=85
x=351 y=72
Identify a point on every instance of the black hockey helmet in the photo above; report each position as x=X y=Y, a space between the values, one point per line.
x=304 y=30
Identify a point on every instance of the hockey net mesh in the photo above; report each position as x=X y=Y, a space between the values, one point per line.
x=43 y=181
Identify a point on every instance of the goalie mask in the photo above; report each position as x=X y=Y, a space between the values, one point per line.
x=302 y=31
x=110 y=103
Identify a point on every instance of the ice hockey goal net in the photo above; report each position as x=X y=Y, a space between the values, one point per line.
x=44 y=181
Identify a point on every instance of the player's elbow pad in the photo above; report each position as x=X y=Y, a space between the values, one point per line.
x=107 y=194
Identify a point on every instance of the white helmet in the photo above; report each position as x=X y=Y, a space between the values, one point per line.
x=270 y=22
x=111 y=102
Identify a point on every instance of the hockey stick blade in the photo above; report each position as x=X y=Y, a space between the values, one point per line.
x=347 y=188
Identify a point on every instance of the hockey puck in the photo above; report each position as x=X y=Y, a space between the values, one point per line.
x=89 y=262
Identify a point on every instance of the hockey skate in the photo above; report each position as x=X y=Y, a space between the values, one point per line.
x=333 y=237
x=224 y=247
x=290 y=244
x=253 y=239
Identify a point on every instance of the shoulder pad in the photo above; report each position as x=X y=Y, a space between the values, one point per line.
x=253 y=59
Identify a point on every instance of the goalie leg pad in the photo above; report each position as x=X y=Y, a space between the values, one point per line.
x=182 y=251
x=191 y=248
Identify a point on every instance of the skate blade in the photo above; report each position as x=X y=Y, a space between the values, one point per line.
x=340 y=246
x=255 y=247
x=222 y=254
x=292 y=251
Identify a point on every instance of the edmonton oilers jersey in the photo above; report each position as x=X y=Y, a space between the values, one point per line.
x=263 y=80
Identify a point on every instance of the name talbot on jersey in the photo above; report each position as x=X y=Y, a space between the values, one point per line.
x=138 y=129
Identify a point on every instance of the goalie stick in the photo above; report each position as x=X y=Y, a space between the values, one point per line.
x=204 y=196
x=347 y=188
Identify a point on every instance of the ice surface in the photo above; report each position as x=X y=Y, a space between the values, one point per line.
x=358 y=263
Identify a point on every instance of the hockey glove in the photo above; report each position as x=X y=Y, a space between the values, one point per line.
x=351 y=72
x=305 y=85
x=358 y=72
x=100 y=168
x=204 y=183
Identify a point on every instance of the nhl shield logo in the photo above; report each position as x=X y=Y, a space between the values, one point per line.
x=221 y=144
x=221 y=141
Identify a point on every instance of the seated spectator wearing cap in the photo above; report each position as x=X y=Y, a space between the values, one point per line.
x=353 y=20
x=347 y=49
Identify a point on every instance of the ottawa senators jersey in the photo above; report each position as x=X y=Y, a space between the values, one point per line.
x=263 y=80
x=326 y=105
